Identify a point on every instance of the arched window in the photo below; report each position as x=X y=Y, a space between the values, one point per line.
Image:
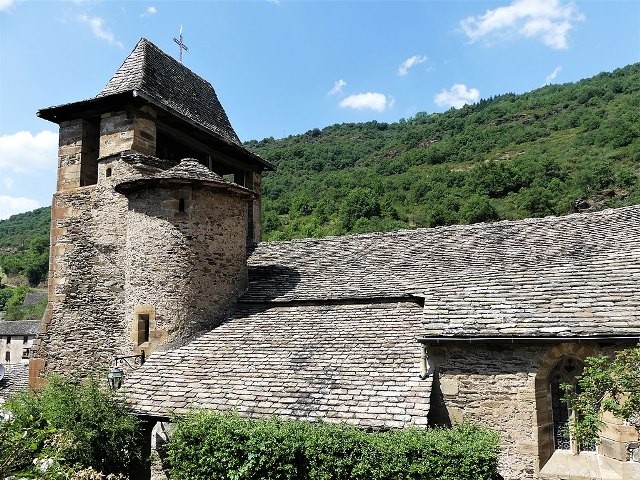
x=108 y=172
x=564 y=373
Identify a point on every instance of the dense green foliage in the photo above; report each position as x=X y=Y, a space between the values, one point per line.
x=33 y=262
x=12 y=303
x=66 y=427
x=555 y=150
x=606 y=386
x=17 y=231
x=209 y=445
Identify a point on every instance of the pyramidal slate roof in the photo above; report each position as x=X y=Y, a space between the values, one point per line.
x=163 y=80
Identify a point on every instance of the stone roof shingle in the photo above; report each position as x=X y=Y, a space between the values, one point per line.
x=14 y=381
x=555 y=276
x=19 y=327
x=352 y=363
x=151 y=72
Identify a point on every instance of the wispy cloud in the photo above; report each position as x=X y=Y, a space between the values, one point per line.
x=337 y=87
x=458 y=95
x=151 y=10
x=368 y=101
x=275 y=2
x=409 y=63
x=12 y=205
x=24 y=152
x=547 y=20
x=552 y=76
x=7 y=183
x=100 y=30
x=5 y=5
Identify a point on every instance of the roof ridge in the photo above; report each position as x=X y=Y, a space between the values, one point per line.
x=457 y=227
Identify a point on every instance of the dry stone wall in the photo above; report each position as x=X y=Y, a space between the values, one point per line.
x=505 y=388
x=189 y=266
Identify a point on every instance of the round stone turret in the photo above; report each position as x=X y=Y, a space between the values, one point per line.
x=185 y=253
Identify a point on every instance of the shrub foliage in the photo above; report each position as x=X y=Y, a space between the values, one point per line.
x=606 y=385
x=66 y=427
x=207 y=445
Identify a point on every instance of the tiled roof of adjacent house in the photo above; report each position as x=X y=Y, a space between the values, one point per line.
x=354 y=363
x=19 y=327
x=555 y=276
x=151 y=72
x=15 y=380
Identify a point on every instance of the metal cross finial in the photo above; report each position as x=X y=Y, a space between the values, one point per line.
x=181 y=45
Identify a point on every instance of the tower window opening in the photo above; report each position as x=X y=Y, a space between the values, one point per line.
x=181 y=205
x=108 y=172
x=143 y=328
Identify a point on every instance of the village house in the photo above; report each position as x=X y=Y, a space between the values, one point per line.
x=155 y=248
x=16 y=341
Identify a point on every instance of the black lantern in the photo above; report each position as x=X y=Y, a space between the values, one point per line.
x=116 y=374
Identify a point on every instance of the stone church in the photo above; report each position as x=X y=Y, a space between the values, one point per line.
x=155 y=248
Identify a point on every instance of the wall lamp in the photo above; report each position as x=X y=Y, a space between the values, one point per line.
x=116 y=374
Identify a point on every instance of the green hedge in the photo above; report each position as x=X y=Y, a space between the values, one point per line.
x=209 y=445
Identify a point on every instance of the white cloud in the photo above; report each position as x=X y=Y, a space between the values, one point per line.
x=409 y=63
x=547 y=20
x=24 y=152
x=337 y=87
x=368 y=101
x=7 y=183
x=100 y=30
x=552 y=76
x=457 y=96
x=12 y=205
x=275 y=2
x=5 y=5
x=149 y=11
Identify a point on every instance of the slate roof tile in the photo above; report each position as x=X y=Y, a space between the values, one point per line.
x=19 y=327
x=14 y=381
x=572 y=275
x=296 y=362
x=161 y=77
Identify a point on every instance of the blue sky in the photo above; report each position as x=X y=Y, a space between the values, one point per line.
x=284 y=67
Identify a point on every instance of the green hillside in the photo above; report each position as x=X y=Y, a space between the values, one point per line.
x=17 y=231
x=552 y=151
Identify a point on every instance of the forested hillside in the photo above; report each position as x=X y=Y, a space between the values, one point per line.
x=555 y=150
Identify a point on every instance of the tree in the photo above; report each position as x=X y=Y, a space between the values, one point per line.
x=606 y=386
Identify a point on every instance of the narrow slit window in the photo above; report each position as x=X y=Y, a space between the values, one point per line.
x=143 y=328
x=108 y=172
x=181 y=205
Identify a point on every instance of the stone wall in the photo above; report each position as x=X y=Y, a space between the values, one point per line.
x=122 y=131
x=184 y=268
x=77 y=154
x=112 y=260
x=506 y=389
